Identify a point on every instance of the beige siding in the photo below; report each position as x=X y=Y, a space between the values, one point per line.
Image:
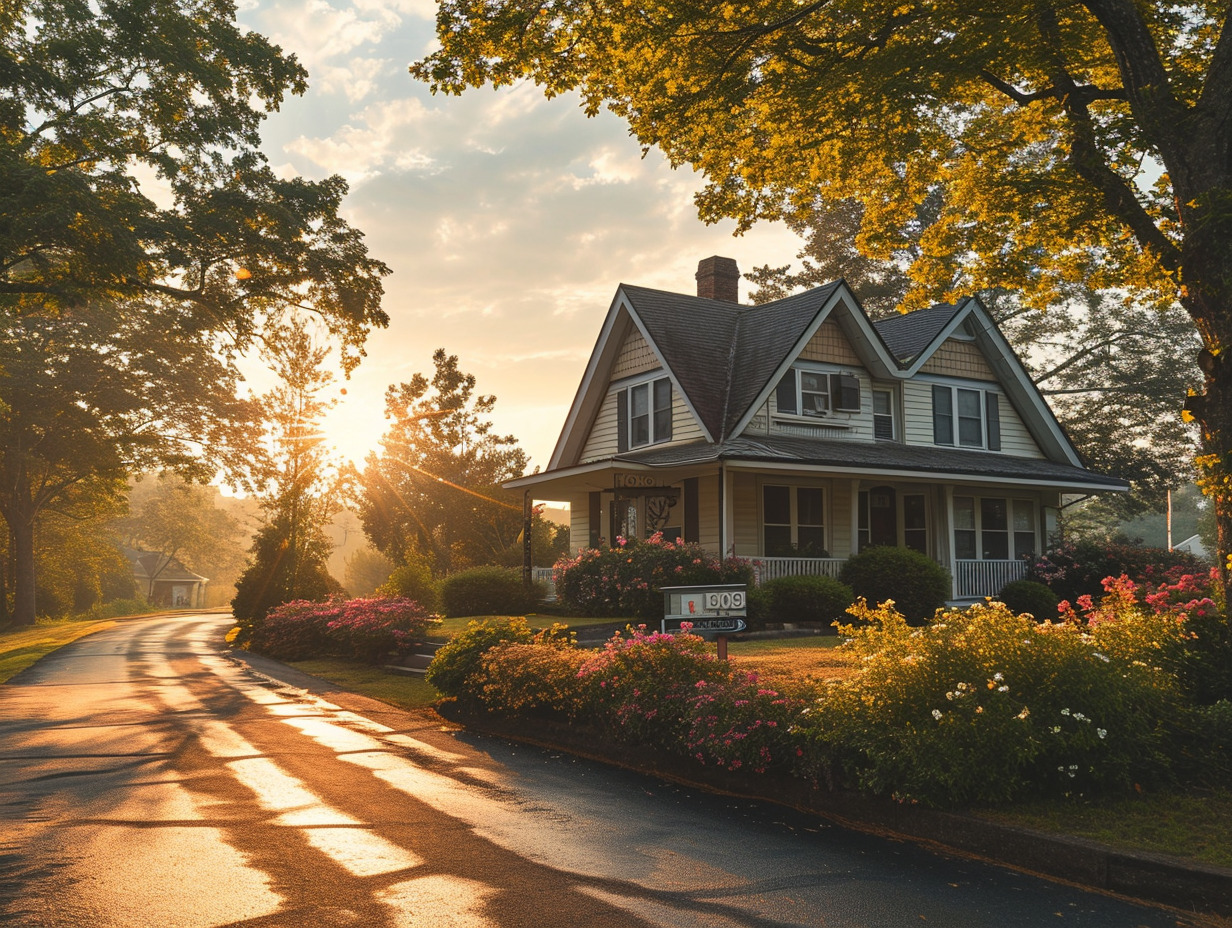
x=603 y=438
x=685 y=426
x=635 y=357
x=579 y=522
x=918 y=409
x=956 y=358
x=708 y=512
x=747 y=515
x=840 y=517
x=829 y=344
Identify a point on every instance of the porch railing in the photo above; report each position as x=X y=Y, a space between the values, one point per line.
x=976 y=579
x=771 y=568
x=546 y=576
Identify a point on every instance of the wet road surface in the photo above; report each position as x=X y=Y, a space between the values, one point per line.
x=146 y=779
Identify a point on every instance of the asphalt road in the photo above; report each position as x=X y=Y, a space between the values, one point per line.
x=148 y=780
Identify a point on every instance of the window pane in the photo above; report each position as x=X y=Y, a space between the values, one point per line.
x=970 y=432
x=640 y=430
x=913 y=512
x=1022 y=516
x=863 y=507
x=662 y=423
x=663 y=394
x=964 y=512
x=883 y=428
x=808 y=506
x=969 y=403
x=811 y=541
x=1024 y=544
x=777 y=506
x=778 y=541
x=916 y=539
x=640 y=398
x=996 y=545
x=881 y=402
x=992 y=515
x=814 y=393
x=943 y=422
x=813 y=383
x=964 y=544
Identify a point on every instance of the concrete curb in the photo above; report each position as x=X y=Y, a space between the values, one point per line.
x=1188 y=886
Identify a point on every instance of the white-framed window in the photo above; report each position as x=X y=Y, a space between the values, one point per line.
x=793 y=521
x=817 y=393
x=644 y=414
x=992 y=528
x=883 y=415
x=967 y=417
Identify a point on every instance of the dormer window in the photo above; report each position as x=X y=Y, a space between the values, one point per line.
x=817 y=393
x=644 y=414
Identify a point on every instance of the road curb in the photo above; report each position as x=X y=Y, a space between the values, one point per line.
x=1191 y=887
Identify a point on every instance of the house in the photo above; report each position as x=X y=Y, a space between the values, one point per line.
x=164 y=581
x=798 y=432
x=1193 y=545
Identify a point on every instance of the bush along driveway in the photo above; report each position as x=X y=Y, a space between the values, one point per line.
x=980 y=708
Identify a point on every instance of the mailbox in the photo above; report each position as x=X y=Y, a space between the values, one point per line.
x=714 y=610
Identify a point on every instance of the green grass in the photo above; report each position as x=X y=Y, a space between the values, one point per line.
x=1193 y=824
x=406 y=691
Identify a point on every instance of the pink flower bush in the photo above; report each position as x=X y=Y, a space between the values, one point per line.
x=370 y=630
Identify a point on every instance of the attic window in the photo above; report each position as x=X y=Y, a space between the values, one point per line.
x=817 y=393
x=644 y=414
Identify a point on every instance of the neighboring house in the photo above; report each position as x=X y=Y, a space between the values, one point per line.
x=164 y=581
x=798 y=432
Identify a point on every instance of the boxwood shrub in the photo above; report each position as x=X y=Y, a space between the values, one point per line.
x=820 y=600
x=1028 y=596
x=917 y=584
x=488 y=591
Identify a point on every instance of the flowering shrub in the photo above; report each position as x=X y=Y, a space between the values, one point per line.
x=987 y=706
x=540 y=678
x=639 y=687
x=370 y=630
x=739 y=724
x=1074 y=569
x=456 y=670
x=625 y=580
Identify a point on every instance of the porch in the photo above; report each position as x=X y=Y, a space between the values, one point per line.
x=972 y=579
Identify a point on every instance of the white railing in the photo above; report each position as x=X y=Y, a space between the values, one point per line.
x=771 y=568
x=976 y=579
x=546 y=576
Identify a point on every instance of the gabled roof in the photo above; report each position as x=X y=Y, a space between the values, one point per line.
x=908 y=334
x=147 y=563
x=723 y=354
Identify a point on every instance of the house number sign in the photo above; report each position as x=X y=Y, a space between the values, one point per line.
x=635 y=481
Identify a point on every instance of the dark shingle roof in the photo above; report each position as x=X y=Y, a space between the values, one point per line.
x=724 y=353
x=907 y=334
x=875 y=456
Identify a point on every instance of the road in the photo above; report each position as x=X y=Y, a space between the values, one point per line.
x=147 y=779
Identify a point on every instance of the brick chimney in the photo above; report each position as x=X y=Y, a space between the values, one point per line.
x=718 y=279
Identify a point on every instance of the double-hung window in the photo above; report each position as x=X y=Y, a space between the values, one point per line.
x=644 y=414
x=883 y=415
x=992 y=528
x=967 y=417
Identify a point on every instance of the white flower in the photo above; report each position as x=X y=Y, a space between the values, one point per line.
x=949 y=696
x=1079 y=717
x=1003 y=689
x=1103 y=657
x=1102 y=732
x=1065 y=712
x=998 y=677
x=937 y=714
x=1056 y=729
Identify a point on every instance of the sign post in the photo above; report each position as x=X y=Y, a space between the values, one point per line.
x=715 y=612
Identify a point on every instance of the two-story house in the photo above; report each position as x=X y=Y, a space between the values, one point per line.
x=798 y=432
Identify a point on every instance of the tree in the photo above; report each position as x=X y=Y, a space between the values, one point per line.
x=87 y=395
x=434 y=488
x=178 y=520
x=1085 y=142
x=299 y=482
x=101 y=101
x=366 y=569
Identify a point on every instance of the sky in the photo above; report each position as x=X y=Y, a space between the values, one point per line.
x=508 y=219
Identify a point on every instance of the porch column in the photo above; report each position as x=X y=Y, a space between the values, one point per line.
x=945 y=537
x=726 y=502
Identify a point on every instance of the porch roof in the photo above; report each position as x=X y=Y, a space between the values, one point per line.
x=876 y=458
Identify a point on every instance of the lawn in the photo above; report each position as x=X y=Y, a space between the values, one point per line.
x=21 y=647
x=454 y=624
x=783 y=661
x=406 y=691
